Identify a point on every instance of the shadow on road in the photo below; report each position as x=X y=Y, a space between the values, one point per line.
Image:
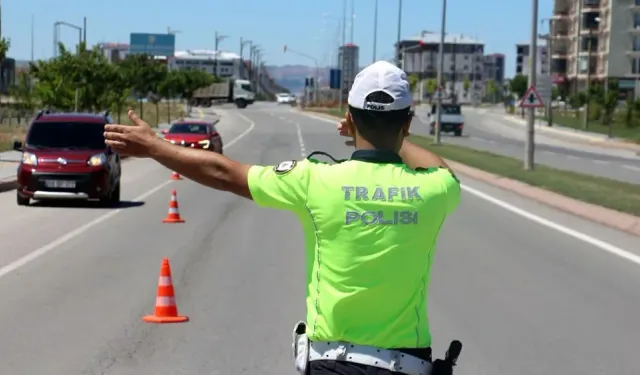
x=86 y=204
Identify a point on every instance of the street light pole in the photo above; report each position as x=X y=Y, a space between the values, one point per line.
x=341 y=57
x=529 y=146
x=440 y=72
x=375 y=33
x=215 y=57
x=399 y=33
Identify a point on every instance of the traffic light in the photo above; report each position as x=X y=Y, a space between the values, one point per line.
x=306 y=81
x=285 y=48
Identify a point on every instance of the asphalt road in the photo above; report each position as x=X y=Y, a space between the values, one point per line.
x=488 y=130
x=523 y=298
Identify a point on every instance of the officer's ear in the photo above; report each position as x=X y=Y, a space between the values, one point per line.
x=407 y=125
x=350 y=124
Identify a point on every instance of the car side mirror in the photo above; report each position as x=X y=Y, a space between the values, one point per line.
x=17 y=145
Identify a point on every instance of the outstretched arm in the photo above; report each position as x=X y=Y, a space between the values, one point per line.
x=205 y=167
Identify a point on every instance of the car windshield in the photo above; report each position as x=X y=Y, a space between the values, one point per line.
x=447 y=109
x=67 y=135
x=188 y=129
x=246 y=86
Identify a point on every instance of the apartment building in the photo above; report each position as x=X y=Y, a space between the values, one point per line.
x=494 y=67
x=596 y=40
x=227 y=64
x=523 y=60
x=463 y=59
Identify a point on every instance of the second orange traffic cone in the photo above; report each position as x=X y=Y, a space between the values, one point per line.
x=166 y=310
x=174 y=214
x=175 y=176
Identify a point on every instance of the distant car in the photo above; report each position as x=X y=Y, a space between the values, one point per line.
x=452 y=120
x=196 y=134
x=285 y=98
x=65 y=157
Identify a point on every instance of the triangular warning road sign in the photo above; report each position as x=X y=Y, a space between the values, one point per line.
x=531 y=98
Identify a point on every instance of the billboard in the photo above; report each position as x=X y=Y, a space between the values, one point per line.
x=152 y=44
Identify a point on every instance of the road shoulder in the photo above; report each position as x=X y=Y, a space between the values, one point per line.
x=614 y=219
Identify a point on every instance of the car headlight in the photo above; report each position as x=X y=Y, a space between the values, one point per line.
x=29 y=159
x=171 y=140
x=182 y=142
x=205 y=143
x=97 y=160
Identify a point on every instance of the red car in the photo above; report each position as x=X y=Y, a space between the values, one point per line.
x=196 y=134
x=65 y=157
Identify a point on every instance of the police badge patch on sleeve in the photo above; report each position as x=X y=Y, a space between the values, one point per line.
x=285 y=167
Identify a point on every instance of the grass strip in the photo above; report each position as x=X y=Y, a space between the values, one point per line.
x=616 y=195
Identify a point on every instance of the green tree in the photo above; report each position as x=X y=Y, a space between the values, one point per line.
x=466 y=85
x=432 y=85
x=22 y=91
x=193 y=80
x=492 y=89
x=519 y=85
x=413 y=81
x=173 y=84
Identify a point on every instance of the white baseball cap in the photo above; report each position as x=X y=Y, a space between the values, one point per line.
x=381 y=76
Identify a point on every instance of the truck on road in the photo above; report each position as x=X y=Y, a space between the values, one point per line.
x=237 y=91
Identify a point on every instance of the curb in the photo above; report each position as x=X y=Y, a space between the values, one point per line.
x=607 y=217
x=614 y=219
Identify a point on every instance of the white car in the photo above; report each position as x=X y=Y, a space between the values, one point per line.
x=285 y=98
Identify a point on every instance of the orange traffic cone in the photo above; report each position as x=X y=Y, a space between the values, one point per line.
x=166 y=310
x=175 y=176
x=174 y=214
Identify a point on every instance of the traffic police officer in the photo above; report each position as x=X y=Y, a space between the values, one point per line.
x=371 y=224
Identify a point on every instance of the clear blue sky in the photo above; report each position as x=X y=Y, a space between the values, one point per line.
x=301 y=24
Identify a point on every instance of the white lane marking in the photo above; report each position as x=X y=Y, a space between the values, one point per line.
x=303 y=152
x=601 y=162
x=80 y=230
x=602 y=245
x=605 y=246
x=631 y=167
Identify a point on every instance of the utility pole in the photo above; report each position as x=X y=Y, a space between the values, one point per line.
x=353 y=17
x=440 y=72
x=549 y=39
x=400 y=34
x=529 y=146
x=84 y=31
x=215 y=56
x=375 y=33
x=341 y=53
x=585 y=117
x=33 y=26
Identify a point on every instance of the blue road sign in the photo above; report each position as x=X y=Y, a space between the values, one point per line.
x=335 y=75
x=152 y=44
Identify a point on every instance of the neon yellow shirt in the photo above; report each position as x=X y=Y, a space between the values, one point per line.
x=370 y=227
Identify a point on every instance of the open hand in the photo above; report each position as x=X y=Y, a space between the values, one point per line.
x=137 y=140
x=345 y=130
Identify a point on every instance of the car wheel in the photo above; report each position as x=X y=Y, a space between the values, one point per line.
x=458 y=133
x=114 y=199
x=22 y=201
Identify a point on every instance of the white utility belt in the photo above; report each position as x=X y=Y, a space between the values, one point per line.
x=305 y=351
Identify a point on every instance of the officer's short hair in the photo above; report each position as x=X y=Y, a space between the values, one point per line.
x=380 y=102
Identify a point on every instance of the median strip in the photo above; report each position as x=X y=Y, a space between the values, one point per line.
x=609 y=202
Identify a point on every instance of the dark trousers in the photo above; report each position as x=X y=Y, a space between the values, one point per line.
x=349 y=368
